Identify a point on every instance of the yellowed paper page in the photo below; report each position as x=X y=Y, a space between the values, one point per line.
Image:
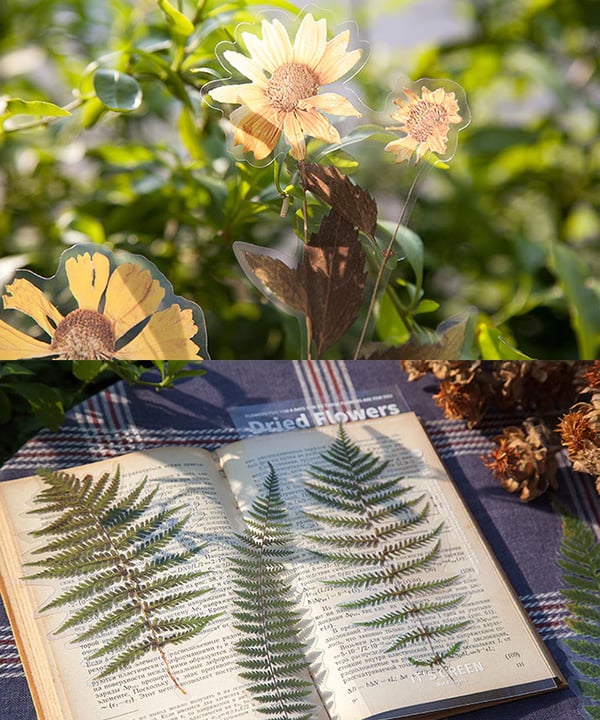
x=501 y=656
x=62 y=672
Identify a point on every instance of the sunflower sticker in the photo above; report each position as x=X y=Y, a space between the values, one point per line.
x=429 y=120
x=99 y=307
x=282 y=97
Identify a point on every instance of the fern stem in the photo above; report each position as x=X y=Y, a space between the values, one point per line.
x=262 y=583
x=125 y=569
x=124 y=566
x=349 y=476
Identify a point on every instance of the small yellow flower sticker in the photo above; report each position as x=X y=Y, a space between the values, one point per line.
x=282 y=96
x=426 y=121
x=118 y=313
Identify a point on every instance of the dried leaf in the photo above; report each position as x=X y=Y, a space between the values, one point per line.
x=449 y=342
x=334 y=277
x=353 y=203
x=274 y=276
x=326 y=284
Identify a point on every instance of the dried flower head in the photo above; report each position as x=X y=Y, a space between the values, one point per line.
x=461 y=371
x=110 y=306
x=426 y=122
x=591 y=374
x=525 y=459
x=461 y=401
x=580 y=434
x=282 y=96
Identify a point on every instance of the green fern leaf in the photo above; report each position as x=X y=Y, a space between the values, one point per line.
x=401 y=592
x=351 y=493
x=272 y=657
x=580 y=560
x=118 y=551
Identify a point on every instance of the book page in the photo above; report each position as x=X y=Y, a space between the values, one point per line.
x=205 y=667
x=500 y=657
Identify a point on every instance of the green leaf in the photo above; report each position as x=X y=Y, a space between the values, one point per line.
x=5 y=407
x=118 y=594
x=181 y=27
x=8 y=369
x=340 y=158
x=87 y=370
x=581 y=549
x=46 y=402
x=391 y=327
x=493 y=346
x=426 y=306
x=16 y=106
x=216 y=7
x=272 y=652
x=409 y=244
x=352 y=481
x=582 y=300
x=593 y=711
x=89 y=227
x=118 y=91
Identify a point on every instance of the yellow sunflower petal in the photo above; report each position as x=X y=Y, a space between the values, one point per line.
x=254 y=132
x=167 y=336
x=227 y=93
x=16 y=345
x=259 y=51
x=255 y=99
x=318 y=126
x=248 y=67
x=24 y=296
x=292 y=130
x=331 y=103
x=87 y=275
x=275 y=37
x=310 y=41
x=410 y=94
x=336 y=62
x=438 y=96
x=403 y=148
x=437 y=142
x=131 y=295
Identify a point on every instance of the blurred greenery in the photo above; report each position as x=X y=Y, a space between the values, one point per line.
x=35 y=394
x=512 y=228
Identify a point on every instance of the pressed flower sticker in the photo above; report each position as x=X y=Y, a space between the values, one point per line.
x=283 y=95
x=116 y=311
x=426 y=119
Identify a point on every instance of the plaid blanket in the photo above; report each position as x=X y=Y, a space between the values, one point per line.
x=525 y=538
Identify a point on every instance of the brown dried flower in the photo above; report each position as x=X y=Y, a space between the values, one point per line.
x=591 y=375
x=580 y=434
x=416 y=369
x=525 y=459
x=461 y=401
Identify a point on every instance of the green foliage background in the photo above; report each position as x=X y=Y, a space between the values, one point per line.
x=511 y=228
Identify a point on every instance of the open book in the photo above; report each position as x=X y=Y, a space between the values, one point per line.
x=396 y=602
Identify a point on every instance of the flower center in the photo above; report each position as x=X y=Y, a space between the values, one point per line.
x=424 y=119
x=84 y=335
x=289 y=84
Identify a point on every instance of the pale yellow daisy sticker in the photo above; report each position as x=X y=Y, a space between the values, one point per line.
x=427 y=120
x=115 y=311
x=283 y=96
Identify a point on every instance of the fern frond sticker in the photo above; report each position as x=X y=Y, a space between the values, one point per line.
x=272 y=653
x=376 y=529
x=580 y=561
x=113 y=553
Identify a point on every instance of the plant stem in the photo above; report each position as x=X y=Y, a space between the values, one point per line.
x=387 y=254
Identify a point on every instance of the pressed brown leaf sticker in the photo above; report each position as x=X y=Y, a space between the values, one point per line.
x=326 y=285
x=353 y=203
x=449 y=342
